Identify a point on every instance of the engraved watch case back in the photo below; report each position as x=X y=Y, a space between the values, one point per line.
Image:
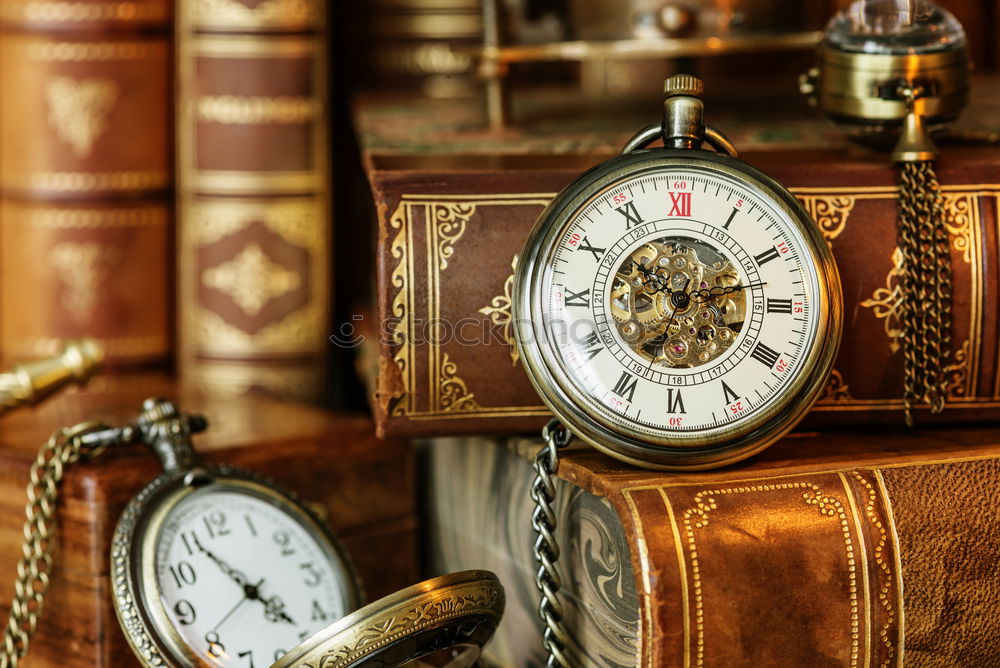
x=445 y=621
x=675 y=307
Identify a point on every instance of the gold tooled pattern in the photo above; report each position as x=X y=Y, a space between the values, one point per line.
x=698 y=518
x=829 y=211
x=445 y=218
x=450 y=220
x=81 y=267
x=251 y=279
x=299 y=221
x=958 y=209
x=454 y=395
x=836 y=390
x=499 y=312
x=79 y=108
x=956 y=374
x=883 y=562
x=296 y=332
x=399 y=336
x=68 y=219
x=258 y=109
x=56 y=11
x=234 y=15
x=91 y=181
x=90 y=51
x=885 y=302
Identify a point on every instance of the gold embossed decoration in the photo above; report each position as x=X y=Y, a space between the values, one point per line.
x=499 y=312
x=81 y=267
x=256 y=109
x=886 y=302
x=78 y=110
x=251 y=279
x=830 y=212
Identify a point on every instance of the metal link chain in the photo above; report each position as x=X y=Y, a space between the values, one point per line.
x=34 y=570
x=925 y=308
x=546 y=549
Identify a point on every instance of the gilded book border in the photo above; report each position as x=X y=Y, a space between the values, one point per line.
x=863 y=512
x=445 y=220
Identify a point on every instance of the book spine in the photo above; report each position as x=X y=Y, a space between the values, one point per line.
x=85 y=177
x=253 y=233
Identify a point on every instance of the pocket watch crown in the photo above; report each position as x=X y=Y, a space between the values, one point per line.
x=683 y=84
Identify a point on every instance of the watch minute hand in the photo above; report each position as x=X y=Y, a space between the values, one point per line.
x=236 y=576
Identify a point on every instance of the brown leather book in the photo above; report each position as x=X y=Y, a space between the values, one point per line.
x=85 y=177
x=846 y=549
x=254 y=229
x=452 y=222
x=365 y=487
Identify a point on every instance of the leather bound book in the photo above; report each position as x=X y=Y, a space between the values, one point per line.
x=253 y=213
x=452 y=222
x=85 y=177
x=365 y=487
x=840 y=550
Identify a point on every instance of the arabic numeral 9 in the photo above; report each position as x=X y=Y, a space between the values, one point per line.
x=185 y=612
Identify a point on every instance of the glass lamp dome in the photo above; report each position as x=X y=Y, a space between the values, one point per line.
x=894 y=27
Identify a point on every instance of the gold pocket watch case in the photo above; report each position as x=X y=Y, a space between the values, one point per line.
x=445 y=621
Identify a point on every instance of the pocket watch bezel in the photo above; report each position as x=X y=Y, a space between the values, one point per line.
x=686 y=453
x=148 y=629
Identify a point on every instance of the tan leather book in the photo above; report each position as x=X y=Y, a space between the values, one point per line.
x=844 y=549
x=253 y=232
x=455 y=205
x=85 y=177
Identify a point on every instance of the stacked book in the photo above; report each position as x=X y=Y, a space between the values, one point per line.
x=842 y=545
x=94 y=189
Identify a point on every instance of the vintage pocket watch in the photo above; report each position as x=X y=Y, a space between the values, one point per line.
x=675 y=308
x=216 y=566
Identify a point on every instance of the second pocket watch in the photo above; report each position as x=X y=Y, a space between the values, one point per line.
x=675 y=307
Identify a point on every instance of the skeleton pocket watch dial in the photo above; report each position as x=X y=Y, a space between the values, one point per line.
x=675 y=307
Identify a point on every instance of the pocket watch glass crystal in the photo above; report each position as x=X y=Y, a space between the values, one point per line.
x=243 y=580
x=677 y=308
x=894 y=27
